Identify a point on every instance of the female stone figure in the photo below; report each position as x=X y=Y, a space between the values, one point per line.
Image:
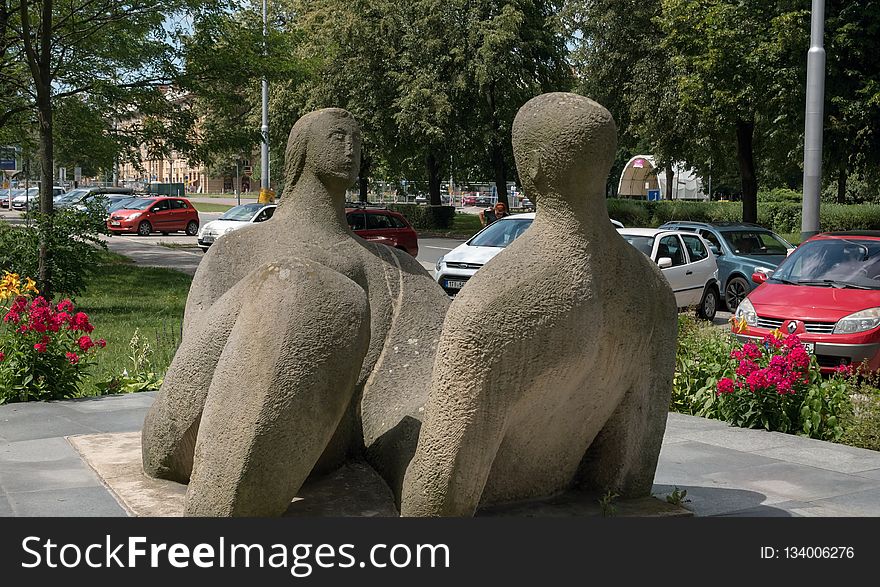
x=303 y=344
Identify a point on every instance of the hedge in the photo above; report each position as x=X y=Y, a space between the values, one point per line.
x=426 y=217
x=781 y=216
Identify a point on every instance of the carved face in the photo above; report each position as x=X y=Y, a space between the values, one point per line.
x=335 y=149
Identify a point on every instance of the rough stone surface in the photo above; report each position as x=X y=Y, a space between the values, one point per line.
x=353 y=490
x=303 y=345
x=555 y=364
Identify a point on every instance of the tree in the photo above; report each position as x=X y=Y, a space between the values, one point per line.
x=114 y=53
x=514 y=52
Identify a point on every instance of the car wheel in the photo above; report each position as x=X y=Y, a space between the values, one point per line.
x=709 y=304
x=192 y=228
x=737 y=289
x=145 y=228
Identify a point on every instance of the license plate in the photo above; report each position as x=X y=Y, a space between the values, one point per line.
x=809 y=347
x=455 y=284
x=208 y=239
x=114 y=223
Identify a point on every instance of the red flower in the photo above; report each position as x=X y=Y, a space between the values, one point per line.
x=65 y=306
x=80 y=321
x=39 y=302
x=13 y=317
x=40 y=347
x=72 y=357
x=85 y=343
x=725 y=385
x=2 y=356
x=101 y=343
x=751 y=350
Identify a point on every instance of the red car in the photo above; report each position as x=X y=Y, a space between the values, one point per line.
x=828 y=293
x=380 y=225
x=155 y=214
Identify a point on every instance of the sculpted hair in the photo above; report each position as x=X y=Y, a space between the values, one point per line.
x=298 y=143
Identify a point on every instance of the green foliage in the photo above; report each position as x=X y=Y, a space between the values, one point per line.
x=140 y=377
x=606 y=503
x=677 y=497
x=73 y=237
x=861 y=427
x=426 y=217
x=701 y=361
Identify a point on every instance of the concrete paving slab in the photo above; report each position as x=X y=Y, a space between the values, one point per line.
x=40 y=424
x=790 y=481
x=694 y=460
x=5 y=506
x=861 y=503
x=704 y=499
x=65 y=473
x=825 y=455
x=34 y=451
x=116 y=421
x=677 y=421
x=74 y=502
x=109 y=403
x=872 y=474
x=741 y=439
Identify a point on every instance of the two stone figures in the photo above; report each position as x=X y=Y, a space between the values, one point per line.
x=305 y=346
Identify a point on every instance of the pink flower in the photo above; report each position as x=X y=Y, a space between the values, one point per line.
x=64 y=305
x=751 y=350
x=85 y=343
x=72 y=357
x=13 y=317
x=101 y=343
x=746 y=367
x=2 y=356
x=40 y=347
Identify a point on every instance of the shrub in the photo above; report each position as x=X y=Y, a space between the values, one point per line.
x=776 y=385
x=73 y=239
x=45 y=349
x=426 y=217
x=701 y=360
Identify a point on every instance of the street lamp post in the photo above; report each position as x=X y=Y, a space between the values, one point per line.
x=265 y=193
x=813 y=123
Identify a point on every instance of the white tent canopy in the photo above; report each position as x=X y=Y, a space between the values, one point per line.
x=641 y=174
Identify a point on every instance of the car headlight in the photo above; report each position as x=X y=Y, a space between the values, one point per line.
x=135 y=215
x=858 y=322
x=228 y=230
x=439 y=262
x=746 y=311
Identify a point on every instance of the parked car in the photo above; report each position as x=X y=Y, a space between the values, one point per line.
x=158 y=214
x=827 y=292
x=106 y=199
x=4 y=198
x=80 y=196
x=233 y=219
x=469 y=200
x=31 y=197
x=741 y=249
x=381 y=225
x=421 y=199
x=686 y=262
x=458 y=265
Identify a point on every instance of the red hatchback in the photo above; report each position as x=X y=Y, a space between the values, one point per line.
x=380 y=225
x=155 y=214
x=828 y=293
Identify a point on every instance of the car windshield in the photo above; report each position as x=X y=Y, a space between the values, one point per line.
x=643 y=243
x=242 y=213
x=73 y=196
x=843 y=263
x=140 y=204
x=755 y=242
x=120 y=204
x=501 y=233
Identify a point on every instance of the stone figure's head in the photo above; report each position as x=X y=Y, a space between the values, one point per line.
x=564 y=144
x=327 y=144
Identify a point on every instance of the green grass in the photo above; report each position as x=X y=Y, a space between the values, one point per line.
x=121 y=297
x=208 y=207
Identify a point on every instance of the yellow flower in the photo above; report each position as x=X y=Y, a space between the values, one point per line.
x=739 y=325
x=31 y=285
x=10 y=285
x=777 y=334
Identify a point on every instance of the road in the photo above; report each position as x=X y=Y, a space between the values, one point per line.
x=184 y=255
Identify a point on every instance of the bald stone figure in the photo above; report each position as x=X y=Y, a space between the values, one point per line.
x=554 y=369
x=303 y=345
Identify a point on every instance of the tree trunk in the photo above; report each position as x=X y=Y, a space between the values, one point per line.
x=670 y=186
x=433 y=164
x=364 y=177
x=499 y=167
x=841 y=184
x=745 y=157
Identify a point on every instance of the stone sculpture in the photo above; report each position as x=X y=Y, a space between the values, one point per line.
x=303 y=345
x=554 y=369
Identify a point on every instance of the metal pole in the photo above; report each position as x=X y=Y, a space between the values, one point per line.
x=265 y=195
x=813 y=123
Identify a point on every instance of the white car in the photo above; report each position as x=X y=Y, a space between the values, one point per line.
x=233 y=219
x=32 y=197
x=687 y=263
x=458 y=265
